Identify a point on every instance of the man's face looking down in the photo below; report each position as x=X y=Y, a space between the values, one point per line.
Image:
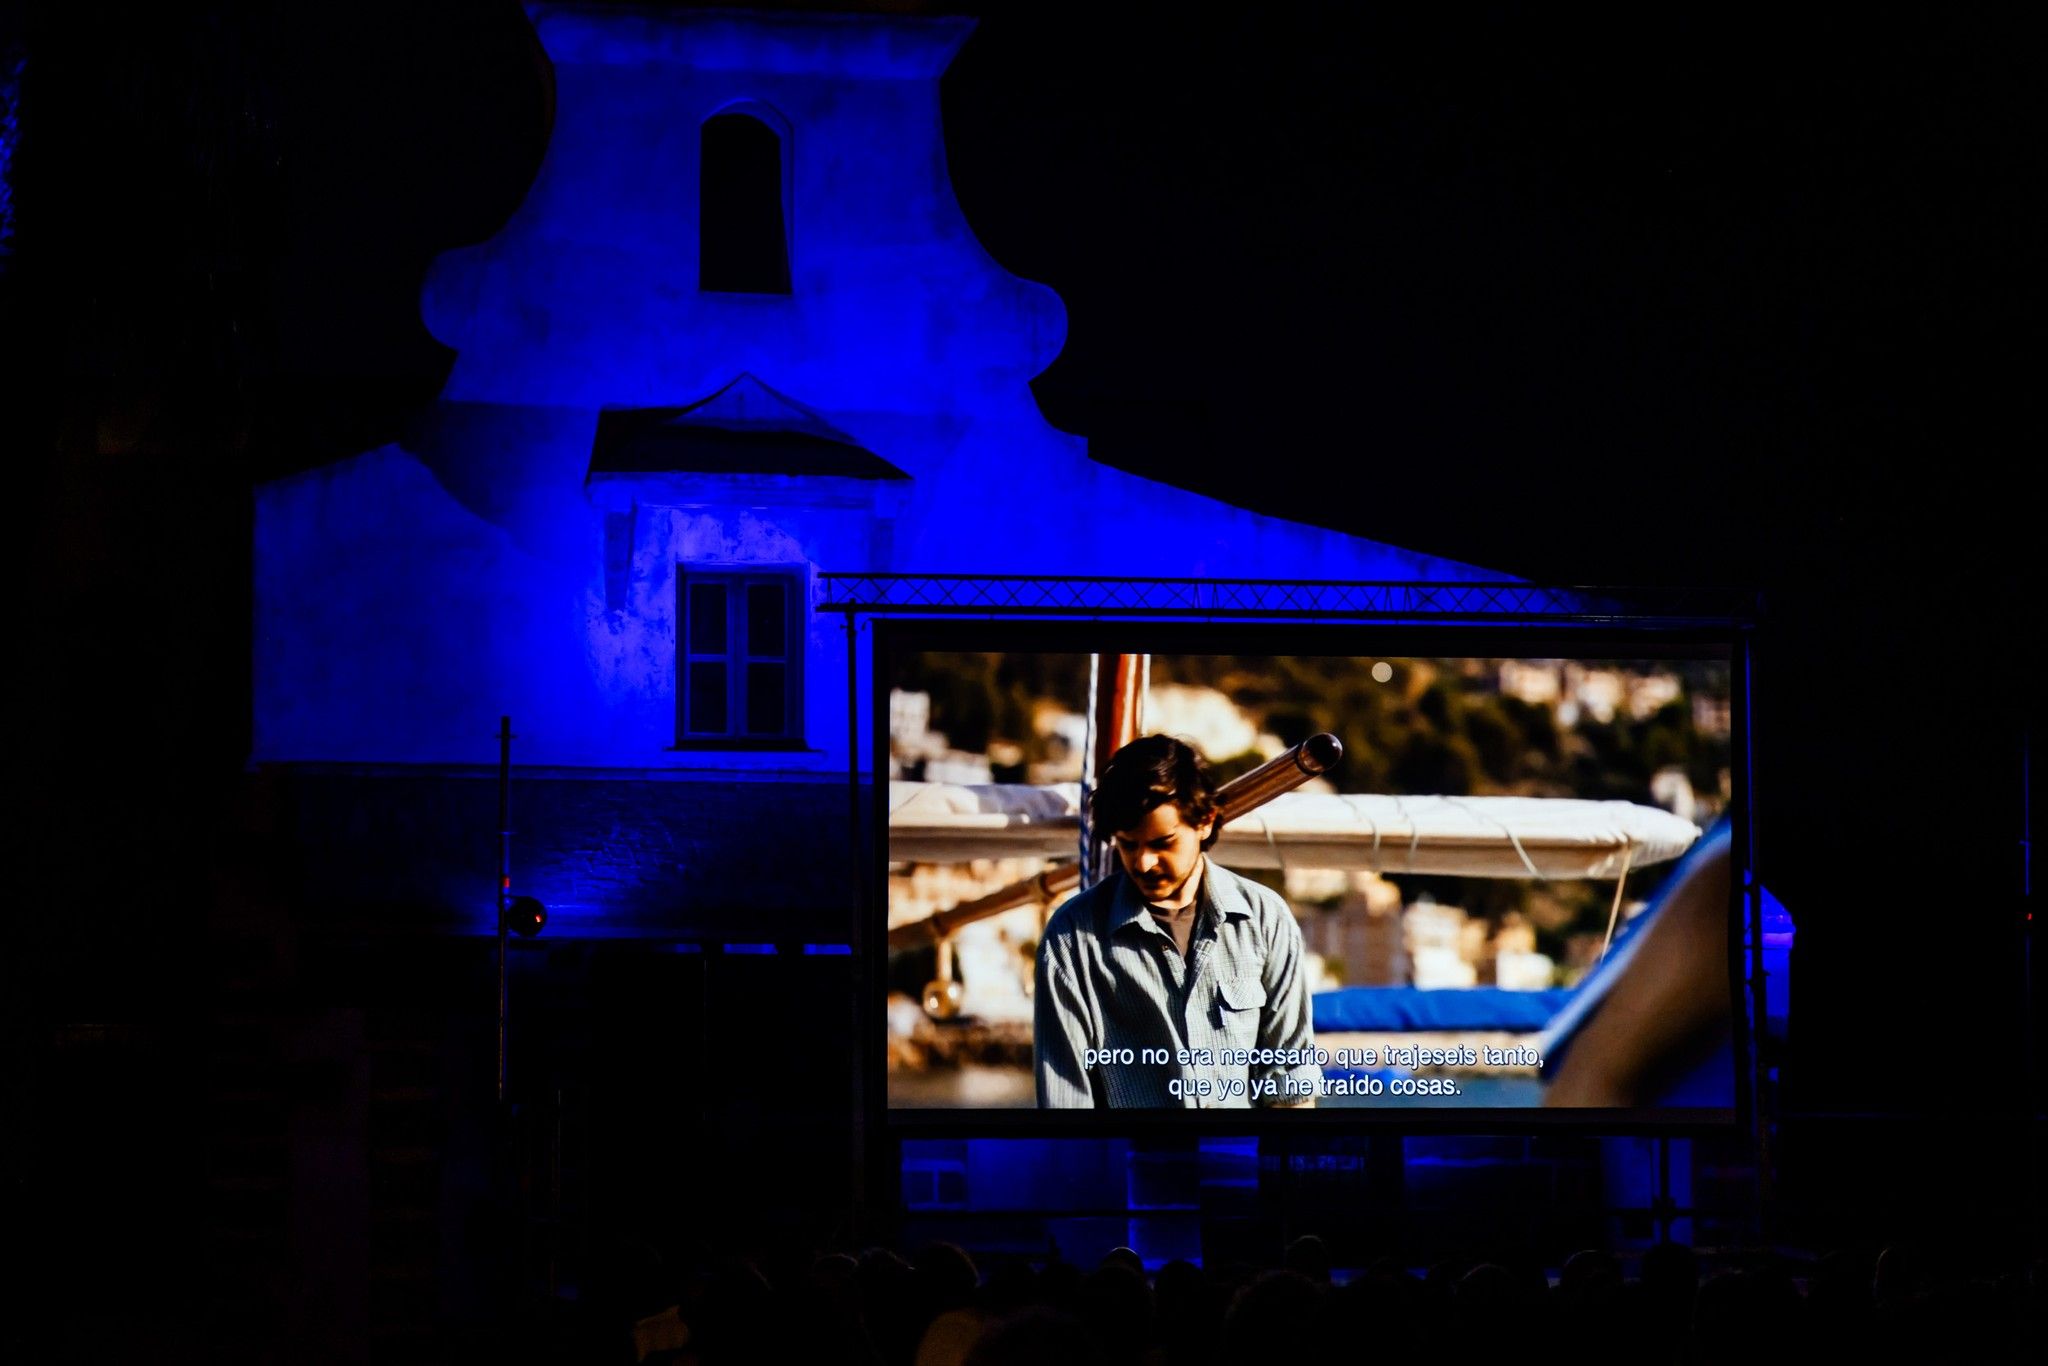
x=1161 y=852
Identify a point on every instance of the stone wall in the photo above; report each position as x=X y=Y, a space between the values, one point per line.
x=609 y=856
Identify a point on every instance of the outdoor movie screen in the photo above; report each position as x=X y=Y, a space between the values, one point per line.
x=1510 y=891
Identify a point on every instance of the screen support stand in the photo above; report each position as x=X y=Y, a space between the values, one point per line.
x=1663 y=1208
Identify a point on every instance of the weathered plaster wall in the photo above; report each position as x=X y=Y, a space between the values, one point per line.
x=408 y=597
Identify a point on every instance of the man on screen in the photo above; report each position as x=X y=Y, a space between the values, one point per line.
x=1175 y=984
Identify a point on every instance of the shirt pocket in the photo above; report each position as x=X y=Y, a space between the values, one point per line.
x=1238 y=1002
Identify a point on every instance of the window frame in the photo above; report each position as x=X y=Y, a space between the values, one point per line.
x=738 y=655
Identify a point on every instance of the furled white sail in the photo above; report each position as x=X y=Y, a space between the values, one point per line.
x=1539 y=837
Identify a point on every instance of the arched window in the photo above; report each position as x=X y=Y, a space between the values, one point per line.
x=742 y=242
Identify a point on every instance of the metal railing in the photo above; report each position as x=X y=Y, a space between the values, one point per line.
x=1069 y=595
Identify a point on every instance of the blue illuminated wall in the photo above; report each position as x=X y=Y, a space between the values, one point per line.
x=410 y=595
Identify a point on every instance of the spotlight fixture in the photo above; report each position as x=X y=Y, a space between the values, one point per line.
x=525 y=916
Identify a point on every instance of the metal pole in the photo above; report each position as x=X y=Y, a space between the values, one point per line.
x=1664 y=1208
x=1116 y=716
x=2031 y=1110
x=862 y=1155
x=1084 y=851
x=1764 y=1100
x=504 y=885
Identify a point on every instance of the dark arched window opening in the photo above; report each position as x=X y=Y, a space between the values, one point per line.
x=742 y=245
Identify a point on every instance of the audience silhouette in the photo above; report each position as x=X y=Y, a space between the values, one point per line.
x=937 y=1307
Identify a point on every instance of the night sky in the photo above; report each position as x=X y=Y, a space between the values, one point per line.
x=1667 y=295
x=1622 y=298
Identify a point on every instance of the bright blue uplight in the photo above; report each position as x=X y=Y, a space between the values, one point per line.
x=1779 y=933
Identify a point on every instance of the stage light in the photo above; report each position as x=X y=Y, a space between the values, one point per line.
x=525 y=916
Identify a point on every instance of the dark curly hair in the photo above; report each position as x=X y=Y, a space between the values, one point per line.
x=1149 y=773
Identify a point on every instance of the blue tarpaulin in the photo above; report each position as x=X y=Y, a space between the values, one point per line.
x=1412 y=1008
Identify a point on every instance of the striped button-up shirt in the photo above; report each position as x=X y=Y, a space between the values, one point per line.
x=1226 y=1027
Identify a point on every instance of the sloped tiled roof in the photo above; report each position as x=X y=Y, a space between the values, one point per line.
x=743 y=428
